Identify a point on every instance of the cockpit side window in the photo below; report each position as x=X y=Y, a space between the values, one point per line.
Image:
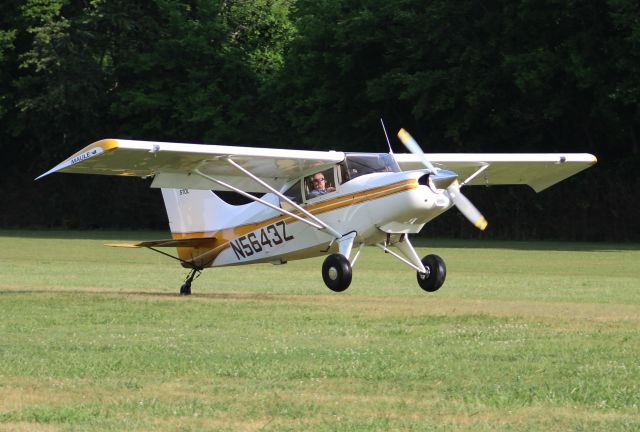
x=343 y=172
x=319 y=184
x=294 y=193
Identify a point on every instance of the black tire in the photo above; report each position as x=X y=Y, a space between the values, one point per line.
x=336 y=272
x=185 y=289
x=436 y=273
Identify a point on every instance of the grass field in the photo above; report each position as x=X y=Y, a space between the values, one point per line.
x=522 y=337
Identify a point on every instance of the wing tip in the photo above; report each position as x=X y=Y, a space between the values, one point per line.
x=91 y=150
x=42 y=175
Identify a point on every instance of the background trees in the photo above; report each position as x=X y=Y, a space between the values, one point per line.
x=463 y=76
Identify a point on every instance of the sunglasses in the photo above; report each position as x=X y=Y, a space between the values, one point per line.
x=318 y=180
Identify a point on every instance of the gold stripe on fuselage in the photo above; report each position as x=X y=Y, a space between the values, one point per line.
x=221 y=238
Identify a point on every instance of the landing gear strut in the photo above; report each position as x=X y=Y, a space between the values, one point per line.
x=185 y=289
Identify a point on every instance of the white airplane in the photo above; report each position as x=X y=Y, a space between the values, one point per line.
x=315 y=203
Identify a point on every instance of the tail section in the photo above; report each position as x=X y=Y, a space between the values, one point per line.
x=193 y=210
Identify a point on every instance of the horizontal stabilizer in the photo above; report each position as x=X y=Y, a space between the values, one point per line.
x=187 y=242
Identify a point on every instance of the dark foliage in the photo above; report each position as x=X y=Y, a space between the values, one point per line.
x=462 y=76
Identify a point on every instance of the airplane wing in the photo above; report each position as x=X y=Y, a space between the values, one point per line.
x=171 y=164
x=538 y=170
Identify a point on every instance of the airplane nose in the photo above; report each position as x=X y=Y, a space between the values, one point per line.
x=432 y=197
x=444 y=178
x=441 y=180
x=424 y=180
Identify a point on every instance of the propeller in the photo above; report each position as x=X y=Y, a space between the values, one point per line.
x=453 y=190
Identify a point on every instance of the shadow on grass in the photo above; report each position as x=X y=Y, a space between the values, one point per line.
x=244 y=296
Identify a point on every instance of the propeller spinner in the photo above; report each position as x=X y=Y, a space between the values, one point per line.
x=453 y=190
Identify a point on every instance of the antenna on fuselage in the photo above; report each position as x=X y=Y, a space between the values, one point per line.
x=384 y=129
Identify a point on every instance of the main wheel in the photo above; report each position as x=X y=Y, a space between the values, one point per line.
x=433 y=279
x=336 y=272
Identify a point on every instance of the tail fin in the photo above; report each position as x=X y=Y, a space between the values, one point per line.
x=193 y=210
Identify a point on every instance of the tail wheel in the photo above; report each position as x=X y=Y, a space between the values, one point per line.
x=185 y=289
x=336 y=272
x=433 y=279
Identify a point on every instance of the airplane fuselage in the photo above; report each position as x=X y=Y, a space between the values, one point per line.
x=372 y=206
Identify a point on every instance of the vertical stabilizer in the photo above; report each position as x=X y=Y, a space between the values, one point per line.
x=193 y=210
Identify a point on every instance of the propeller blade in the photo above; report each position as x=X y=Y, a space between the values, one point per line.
x=414 y=148
x=466 y=207
x=453 y=190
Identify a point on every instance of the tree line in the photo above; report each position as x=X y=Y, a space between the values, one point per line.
x=462 y=76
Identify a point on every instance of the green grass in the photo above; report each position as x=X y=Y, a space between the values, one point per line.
x=523 y=336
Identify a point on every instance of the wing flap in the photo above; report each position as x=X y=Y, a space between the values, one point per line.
x=537 y=170
x=187 y=242
x=173 y=163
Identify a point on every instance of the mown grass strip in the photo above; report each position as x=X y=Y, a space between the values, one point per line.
x=502 y=346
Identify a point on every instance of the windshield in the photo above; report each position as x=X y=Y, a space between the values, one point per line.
x=357 y=164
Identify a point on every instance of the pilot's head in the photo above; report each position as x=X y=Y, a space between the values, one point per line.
x=318 y=181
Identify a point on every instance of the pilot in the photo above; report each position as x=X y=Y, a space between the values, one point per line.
x=319 y=186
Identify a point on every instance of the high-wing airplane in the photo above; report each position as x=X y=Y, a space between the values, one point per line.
x=315 y=202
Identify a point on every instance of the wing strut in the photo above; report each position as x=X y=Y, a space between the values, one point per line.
x=475 y=174
x=318 y=224
x=333 y=232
